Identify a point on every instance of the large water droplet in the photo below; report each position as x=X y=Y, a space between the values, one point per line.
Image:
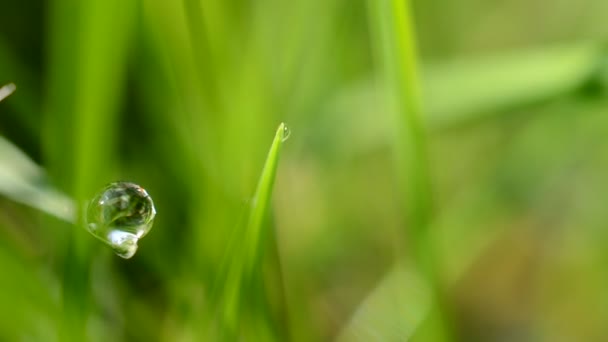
x=119 y=215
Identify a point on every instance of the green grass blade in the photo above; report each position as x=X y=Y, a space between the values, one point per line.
x=88 y=55
x=21 y=179
x=464 y=91
x=261 y=200
x=244 y=257
x=393 y=26
x=395 y=40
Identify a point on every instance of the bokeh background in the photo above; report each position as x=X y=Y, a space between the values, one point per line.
x=183 y=98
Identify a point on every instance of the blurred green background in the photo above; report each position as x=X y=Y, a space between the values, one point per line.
x=492 y=229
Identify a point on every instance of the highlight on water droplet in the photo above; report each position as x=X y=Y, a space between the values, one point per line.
x=119 y=215
x=286 y=132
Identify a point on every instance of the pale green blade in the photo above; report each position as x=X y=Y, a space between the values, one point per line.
x=392 y=311
x=463 y=91
x=7 y=90
x=23 y=181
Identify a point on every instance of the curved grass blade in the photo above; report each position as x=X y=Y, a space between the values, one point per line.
x=243 y=271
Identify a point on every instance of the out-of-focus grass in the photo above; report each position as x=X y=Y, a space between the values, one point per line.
x=90 y=57
x=393 y=311
x=396 y=42
x=180 y=97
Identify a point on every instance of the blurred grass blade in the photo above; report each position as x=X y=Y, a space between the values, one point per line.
x=7 y=90
x=463 y=90
x=23 y=181
x=245 y=252
x=90 y=43
x=393 y=28
x=392 y=311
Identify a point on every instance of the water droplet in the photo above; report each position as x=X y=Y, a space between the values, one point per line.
x=119 y=215
x=286 y=132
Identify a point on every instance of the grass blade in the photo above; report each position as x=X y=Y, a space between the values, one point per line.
x=88 y=54
x=465 y=91
x=393 y=27
x=261 y=200
x=396 y=40
x=244 y=257
x=23 y=181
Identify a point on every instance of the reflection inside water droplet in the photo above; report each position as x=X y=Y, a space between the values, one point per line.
x=286 y=132
x=119 y=215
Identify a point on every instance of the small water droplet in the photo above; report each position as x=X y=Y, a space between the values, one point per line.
x=286 y=132
x=119 y=215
